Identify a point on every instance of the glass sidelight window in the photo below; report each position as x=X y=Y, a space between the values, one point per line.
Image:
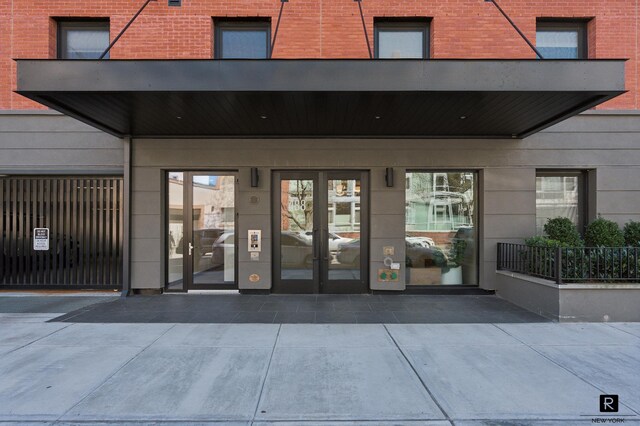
x=441 y=224
x=201 y=240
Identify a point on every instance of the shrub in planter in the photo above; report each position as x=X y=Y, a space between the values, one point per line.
x=604 y=233
x=539 y=259
x=563 y=230
x=542 y=242
x=632 y=234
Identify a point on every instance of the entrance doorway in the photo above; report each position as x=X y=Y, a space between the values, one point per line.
x=321 y=233
x=201 y=237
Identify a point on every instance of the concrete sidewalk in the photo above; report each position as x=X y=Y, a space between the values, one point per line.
x=313 y=374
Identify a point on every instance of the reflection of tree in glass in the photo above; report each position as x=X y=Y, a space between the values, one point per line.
x=298 y=207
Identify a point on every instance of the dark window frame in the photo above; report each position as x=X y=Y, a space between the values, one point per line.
x=478 y=193
x=567 y=25
x=403 y=25
x=186 y=198
x=222 y=25
x=63 y=25
x=583 y=192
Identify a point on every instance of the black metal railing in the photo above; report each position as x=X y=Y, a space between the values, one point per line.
x=84 y=217
x=569 y=264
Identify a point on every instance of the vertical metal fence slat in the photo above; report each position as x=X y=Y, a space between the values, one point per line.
x=47 y=224
x=66 y=233
x=20 y=231
x=619 y=263
x=101 y=232
x=89 y=230
x=73 y=187
x=61 y=233
x=26 y=214
x=94 y=231
x=109 y=226
x=82 y=235
x=12 y=229
x=121 y=241
x=98 y=242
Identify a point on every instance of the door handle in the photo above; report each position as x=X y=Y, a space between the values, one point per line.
x=325 y=243
x=190 y=248
x=315 y=245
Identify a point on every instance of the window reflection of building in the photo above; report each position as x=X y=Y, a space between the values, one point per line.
x=439 y=201
x=557 y=196
x=296 y=205
x=213 y=202
x=213 y=206
x=344 y=205
x=440 y=228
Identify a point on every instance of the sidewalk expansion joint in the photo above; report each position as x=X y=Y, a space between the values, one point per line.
x=266 y=374
x=424 y=385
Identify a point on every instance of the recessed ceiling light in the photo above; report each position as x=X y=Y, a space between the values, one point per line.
x=179 y=117
x=264 y=117
x=463 y=117
x=377 y=117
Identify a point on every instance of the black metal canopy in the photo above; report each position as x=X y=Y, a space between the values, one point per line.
x=321 y=98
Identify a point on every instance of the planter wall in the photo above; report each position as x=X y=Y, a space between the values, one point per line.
x=571 y=302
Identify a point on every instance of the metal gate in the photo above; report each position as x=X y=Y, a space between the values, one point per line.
x=84 y=216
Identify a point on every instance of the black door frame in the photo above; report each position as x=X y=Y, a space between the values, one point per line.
x=320 y=282
x=187 y=224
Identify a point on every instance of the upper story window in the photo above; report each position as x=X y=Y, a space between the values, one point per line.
x=402 y=39
x=82 y=39
x=242 y=39
x=562 y=39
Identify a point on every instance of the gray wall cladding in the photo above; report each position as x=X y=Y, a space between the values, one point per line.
x=47 y=142
x=606 y=141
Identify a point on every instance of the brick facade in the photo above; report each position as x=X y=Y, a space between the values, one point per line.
x=317 y=29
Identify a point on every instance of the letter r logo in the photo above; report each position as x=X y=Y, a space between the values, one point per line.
x=608 y=403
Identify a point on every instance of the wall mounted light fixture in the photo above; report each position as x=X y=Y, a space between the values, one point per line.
x=388 y=176
x=255 y=177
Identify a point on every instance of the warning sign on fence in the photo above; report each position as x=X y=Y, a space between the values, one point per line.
x=41 y=238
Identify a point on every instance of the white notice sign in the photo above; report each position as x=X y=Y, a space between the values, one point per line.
x=41 y=238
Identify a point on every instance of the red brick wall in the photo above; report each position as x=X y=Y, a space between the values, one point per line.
x=317 y=29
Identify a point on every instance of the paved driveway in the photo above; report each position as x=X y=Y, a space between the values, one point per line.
x=316 y=374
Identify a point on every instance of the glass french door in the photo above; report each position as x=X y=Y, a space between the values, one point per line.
x=201 y=238
x=320 y=242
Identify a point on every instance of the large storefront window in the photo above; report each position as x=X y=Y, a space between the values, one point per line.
x=558 y=194
x=441 y=221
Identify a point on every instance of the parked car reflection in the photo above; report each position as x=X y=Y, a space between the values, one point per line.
x=418 y=254
x=224 y=243
x=295 y=250
x=334 y=239
x=205 y=238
